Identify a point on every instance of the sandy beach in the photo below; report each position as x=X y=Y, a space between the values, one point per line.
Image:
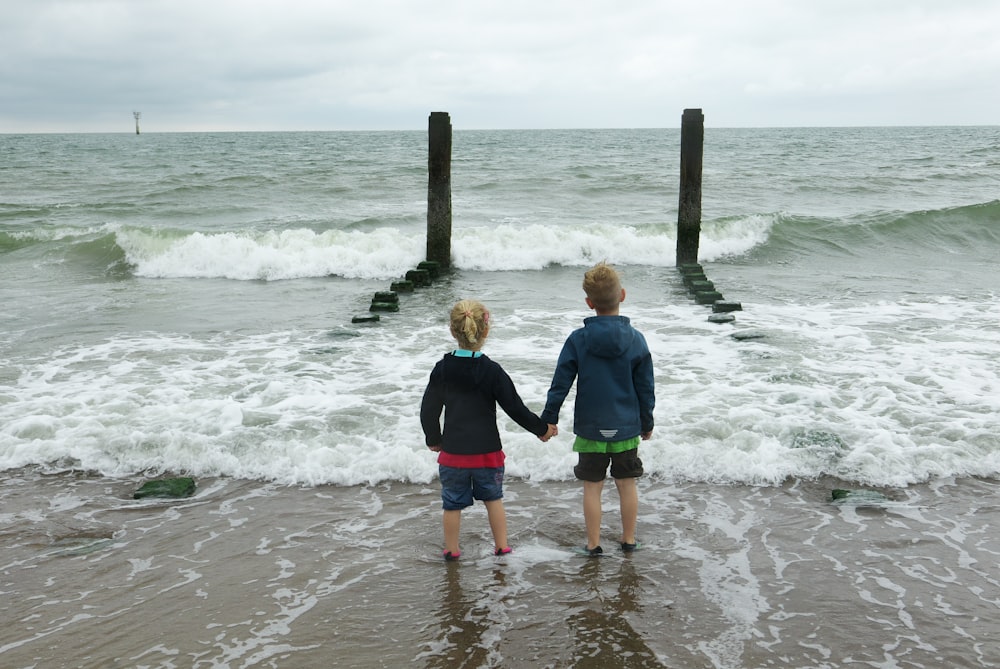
x=248 y=574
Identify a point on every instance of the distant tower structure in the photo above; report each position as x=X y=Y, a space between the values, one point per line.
x=137 y=115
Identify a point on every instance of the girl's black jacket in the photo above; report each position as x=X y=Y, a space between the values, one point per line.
x=469 y=389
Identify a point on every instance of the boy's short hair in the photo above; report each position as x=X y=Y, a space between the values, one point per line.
x=603 y=286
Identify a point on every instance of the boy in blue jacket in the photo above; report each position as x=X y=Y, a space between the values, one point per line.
x=614 y=403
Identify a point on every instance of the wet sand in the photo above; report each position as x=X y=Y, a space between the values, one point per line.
x=249 y=574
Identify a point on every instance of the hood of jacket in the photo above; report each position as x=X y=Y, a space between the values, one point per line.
x=607 y=336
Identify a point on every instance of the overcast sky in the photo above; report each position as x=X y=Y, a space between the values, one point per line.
x=86 y=65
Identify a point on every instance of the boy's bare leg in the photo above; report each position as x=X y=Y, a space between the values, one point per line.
x=592 y=511
x=628 y=498
x=498 y=522
x=452 y=524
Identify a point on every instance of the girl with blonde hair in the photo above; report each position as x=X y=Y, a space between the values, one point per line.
x=468 y=386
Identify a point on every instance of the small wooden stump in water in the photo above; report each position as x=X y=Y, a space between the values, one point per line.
x=857 y=497
x=384 y=306
x=707 y=297
x=419 y=277
x=401 y=286
x=744 y=335
x=690 y=268
x=433 y=268
x=177 y=487
x=701 y=286
x=721 y=306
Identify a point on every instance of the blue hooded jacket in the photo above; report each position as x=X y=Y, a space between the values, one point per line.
x=615 y=394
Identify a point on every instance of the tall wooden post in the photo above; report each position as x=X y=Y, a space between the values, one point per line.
x=689 y=208
x=439 y=189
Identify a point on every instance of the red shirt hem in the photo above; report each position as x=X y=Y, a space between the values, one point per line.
x=493 y=460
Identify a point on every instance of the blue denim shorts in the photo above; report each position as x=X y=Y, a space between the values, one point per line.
x=459 y=486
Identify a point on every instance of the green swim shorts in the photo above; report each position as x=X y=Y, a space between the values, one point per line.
x=582 y=445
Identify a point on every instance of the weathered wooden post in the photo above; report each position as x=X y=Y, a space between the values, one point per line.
x=439 y=189
x=689 y=209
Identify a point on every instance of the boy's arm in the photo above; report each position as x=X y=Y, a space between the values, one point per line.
x=562 y=381
x=642 y=379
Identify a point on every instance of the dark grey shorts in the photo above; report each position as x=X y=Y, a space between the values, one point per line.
x=594 y=466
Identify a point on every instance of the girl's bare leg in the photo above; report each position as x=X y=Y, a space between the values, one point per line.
x=452 y=524
x=498 y=522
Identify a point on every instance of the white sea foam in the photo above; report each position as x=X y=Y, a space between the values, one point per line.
x=389 y=252
x=882 y=393
x=114 y=371
x=272 y=255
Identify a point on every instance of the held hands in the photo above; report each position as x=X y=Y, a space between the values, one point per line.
x=646 y=435
x=551 y=432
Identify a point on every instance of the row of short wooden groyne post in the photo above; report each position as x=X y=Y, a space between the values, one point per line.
x=702 y=290
x=388 y=300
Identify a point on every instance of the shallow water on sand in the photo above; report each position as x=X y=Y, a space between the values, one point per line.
x=249 y=574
